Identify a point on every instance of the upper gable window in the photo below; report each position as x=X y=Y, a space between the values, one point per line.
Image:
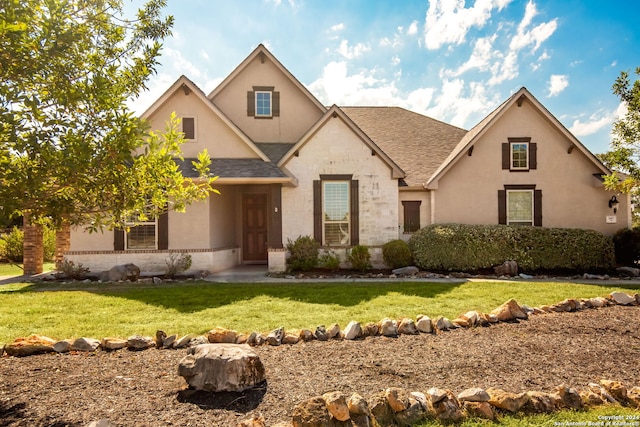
x=519 y=154
x=189 y=128
x=263 y=102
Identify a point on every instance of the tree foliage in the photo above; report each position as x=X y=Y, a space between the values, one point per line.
x=625 y=147
x=70 y=148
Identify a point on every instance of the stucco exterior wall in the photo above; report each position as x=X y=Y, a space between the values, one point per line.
x=210 y=131
x=190 y=229
x=82 y=240
x=422 y=196
x=223 y=216
x=571 y=196
x=335 y=149
x=297 y=112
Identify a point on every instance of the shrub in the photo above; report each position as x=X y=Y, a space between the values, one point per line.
x=463 y=247
x=329 y=260
x=49 y=243
x=177 y=263
x=12 y=245
x=359 y=258
x=303 y=253
x=396 y=253
x=627 y=246
x=73 y=271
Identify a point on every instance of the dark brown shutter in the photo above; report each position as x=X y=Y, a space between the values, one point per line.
x=533 y=155
x=189 y=128
x=506 y=155
x=537 y=208
x=163 y=231
x=118 y=239
x=411 y=216
x=275 y=111
x=251 y=103
x=355 y=213
x=317 y=211
x=502 y=206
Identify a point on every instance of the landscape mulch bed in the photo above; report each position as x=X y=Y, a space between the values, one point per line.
x=143 y=388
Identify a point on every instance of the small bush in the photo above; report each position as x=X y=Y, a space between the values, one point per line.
x=73 y=271
x=396 y=253
x=627 y=246
x=12 y=245
x=460 y=247
x=177 y=263
x=49 y=243
x=303 y=253
x=360 y=258
x=329 y=260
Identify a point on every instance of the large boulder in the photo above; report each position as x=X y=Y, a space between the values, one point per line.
x=221 y=367
x=507 y=268
x=120 y=273
x=33 y=344
x=510 y=311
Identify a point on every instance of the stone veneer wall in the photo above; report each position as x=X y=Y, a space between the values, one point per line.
x=33 y=256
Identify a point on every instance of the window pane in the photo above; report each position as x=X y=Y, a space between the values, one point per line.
x=520 y=207
x=263 y=103
x=142 y=237
x=336 y=233
x=336 y=213
x=519 y=156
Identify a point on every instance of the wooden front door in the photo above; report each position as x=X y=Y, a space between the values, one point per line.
x=255 y=234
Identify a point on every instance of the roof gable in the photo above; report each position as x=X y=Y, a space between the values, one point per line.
x=523 y=95
x=336 y=112
x=188 y=87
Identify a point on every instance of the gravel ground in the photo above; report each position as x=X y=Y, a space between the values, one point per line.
x=143 y=388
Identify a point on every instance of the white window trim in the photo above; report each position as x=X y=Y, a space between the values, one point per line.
x=533 y=214
x=347 y=221
x=195 y=128
x=512 y=167
x=133 y=224
x=270 y=103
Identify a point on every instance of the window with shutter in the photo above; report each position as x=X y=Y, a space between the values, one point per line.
x=520 y=205
x=519 y=154
x=336 y=210
x=263 y=102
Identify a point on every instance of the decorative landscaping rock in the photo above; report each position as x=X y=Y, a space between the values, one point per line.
x=634 y=396
x=358 y=405
x=63 y=346
x=505 y=400
x=371 y=329
x=628 y=271
x=435 y=395
x=113 y=343
x=407 y=327
x=85 y=344
x=311 y=412
x=220 y=335
x=275 y=337
x=510 y=311
x=389 y=328
x=443 y=324
x=334 y=331
x=405 y=271
x=321 y=333
x=569 y=397
x=508 y=268
x=169 y=341
x=413 y=414
x=138 y=342
x=253 y=422
x=397 y=398
x=447 y=410
x=33 y=344
x=353 y=330
x=424 y=324
x=616 y=389
x=337 y=405
x=306 y=335
x=290 y=339
x=622 y=298
x=539 y=403
x=473 y=395
x=221 y=367
x=183 y=341
x=479 y=410
x=380 y=409
x=120 y=273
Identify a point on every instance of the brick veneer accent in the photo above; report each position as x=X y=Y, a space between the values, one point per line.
x=63 y=243
x=33 y=247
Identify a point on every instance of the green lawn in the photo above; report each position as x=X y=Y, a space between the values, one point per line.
x=16 y=270
x=97 y=310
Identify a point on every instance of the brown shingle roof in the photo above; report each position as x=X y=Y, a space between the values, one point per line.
x=416 y=143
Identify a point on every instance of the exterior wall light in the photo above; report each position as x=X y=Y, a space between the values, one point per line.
x=613 y=203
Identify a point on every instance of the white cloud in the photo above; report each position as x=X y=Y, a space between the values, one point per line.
x=204 y=54
x=337 y=27
x=600 y=120
x=456 y=105
x=413 y=29
x=557 y=83
x=395 y=60
x=480 y=57
x=181 y=65
x=449 y=21
x=535 y=36
x=505 y=69
x=543 y=57
x=352 y=52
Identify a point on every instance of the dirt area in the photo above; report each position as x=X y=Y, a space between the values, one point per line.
x=143 y=388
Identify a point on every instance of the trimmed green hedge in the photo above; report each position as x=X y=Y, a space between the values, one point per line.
x=627 y=243
x=461 y=247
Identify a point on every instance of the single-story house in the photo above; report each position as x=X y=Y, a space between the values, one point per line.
x=290 y=166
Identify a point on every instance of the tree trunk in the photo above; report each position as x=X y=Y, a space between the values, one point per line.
x=33 y=247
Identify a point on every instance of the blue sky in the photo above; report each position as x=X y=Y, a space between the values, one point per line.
x=453 y=60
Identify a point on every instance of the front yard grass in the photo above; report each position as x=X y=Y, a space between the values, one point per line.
x=123 y=309
x=7 y=269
